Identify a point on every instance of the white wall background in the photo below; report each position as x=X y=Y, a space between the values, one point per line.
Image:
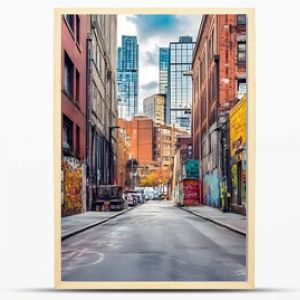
x=26 y=168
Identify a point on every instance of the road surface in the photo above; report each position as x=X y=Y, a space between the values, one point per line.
x=155 y=242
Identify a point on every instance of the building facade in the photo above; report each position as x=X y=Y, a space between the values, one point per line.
x=139 y=131
x=73 y=118
x=179 y=97
x=219 y=82
x=154 y=107
x=165 y=143
x=128 y=77
x=163 y=70
x=102 y=102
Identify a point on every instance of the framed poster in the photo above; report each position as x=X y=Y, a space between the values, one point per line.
x=154 y=117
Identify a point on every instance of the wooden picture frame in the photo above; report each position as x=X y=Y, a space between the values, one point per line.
x=178 y=285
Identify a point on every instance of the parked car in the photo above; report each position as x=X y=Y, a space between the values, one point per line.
x=140 y=191
x=139 y=198
x=157 y=196
x=149 y=193
x=130 y=198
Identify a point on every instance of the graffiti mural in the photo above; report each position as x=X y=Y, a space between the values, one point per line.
x=238 y=127
x=190 y=192
x=238 y=138
x=211 y=189
x=73 y=188
x=190 y=169
x=244 y=178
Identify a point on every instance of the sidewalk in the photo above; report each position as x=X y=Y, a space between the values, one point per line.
x=232 y=221
x=77 y=223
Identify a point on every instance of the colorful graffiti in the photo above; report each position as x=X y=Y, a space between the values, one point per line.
x=211 y=189
x=73 y=189
x=237 y=177
x=238 y=126
x=191 y=169
x=191 y=192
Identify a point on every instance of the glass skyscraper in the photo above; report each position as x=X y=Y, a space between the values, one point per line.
x=179 y=97
x=163 y=70
x=128 y=76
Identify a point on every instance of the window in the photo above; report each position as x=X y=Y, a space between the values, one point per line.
x=70 y=20
x=68 y=75
x=241 y=19
x=77 y=86
x=242 y=88
x=67 y=134
x=77 y=141
x=241 y=52
x=77 y=29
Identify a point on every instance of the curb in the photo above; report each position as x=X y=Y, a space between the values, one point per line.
x=67 y=235
x=232 y=228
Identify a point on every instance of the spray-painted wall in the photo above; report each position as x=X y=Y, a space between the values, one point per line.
x=238 y=143
x=211 y=173
x=190 y=169
x=190 y=192
x=73 y=187
x=211 y=188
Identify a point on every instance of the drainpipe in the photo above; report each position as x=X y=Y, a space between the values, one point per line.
x=220 y=130
x=88 y=206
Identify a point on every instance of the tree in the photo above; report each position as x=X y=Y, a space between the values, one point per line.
x=156 y=178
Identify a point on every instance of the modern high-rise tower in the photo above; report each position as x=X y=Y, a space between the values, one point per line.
x=163 y=70
x=179 y=96
x=128 y=77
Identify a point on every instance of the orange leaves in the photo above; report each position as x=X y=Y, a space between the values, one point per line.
x=156 y=177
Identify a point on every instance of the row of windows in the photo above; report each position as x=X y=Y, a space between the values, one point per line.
x=182 y=118
x=181 y=57
x=179 y=46
x=99 y=105
x=163 y=58
x=180 y=67
x=178 y=94
x=70 y=146
x=99 y=60
x=241 y=54
x=212 y=93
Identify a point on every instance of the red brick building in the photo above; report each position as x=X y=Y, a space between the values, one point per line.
x=219 y=81
x=140 y=131
x=73 y=85
x=73 y=118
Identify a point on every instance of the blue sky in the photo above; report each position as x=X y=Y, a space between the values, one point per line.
x=154 y=31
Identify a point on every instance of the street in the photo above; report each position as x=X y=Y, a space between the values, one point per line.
x=155 y=241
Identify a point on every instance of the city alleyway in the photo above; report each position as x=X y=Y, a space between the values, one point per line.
x=155 y=242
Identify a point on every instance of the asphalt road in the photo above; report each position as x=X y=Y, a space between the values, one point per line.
x=155 y=242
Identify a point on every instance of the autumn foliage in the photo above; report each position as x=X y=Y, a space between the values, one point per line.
x=156 y=178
